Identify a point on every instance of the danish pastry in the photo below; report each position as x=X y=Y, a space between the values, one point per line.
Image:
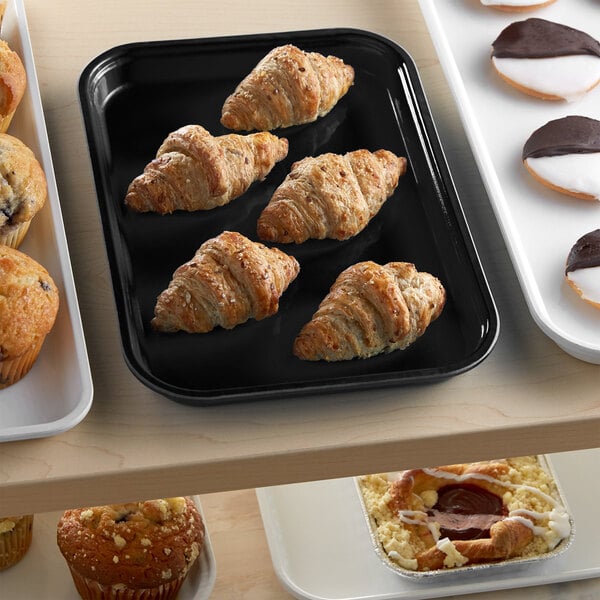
x=465 y=514
x=194 y=170
x=547 y=60
x=287 y=87
x=330 y=196
x=229 y=280
x=371 y=309
x=564 y=154
x=582 y=270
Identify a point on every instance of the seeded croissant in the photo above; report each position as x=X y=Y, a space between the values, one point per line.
x=194 y=170
x=229 y=280
x=330 y=196
x=287 y=87
x=371 y=309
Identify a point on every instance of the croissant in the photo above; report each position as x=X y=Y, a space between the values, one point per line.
x=371 y=309
x=194 y=170
x=287 y=87
x=330 y=196
x=507 y=539
x=229 y=280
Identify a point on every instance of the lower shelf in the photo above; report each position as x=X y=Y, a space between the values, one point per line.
x=321 y=549
x=43 y=573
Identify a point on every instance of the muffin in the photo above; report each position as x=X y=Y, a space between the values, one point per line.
x=28 y=306
x=15 y=539
x=13 y=80
x=23 y=189
x=134 y=551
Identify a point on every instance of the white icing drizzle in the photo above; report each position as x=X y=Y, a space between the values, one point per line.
x=574 y=172
x=568 y=77
x=406 y=516
x=559 y=524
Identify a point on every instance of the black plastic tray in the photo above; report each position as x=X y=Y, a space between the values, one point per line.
x=133 y=95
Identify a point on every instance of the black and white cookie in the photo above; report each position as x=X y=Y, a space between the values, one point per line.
x=516 y=5
x=564 y=154
x=583 y=267
x=547 y=60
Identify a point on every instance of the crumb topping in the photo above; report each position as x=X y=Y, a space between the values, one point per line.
x=139 y=544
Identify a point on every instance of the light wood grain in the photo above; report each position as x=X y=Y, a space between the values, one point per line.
x=528 y=396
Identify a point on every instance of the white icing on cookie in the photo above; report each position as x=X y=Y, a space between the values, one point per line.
x=575 y=172
x=513 y=2
x=568 y=77
x=587 y=282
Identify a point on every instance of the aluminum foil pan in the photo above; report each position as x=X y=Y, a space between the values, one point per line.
x=391 y=564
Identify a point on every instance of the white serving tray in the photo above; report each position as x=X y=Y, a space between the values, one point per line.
x=43 y=572
x=57 y=393
x=539 y=225
x=321 y=546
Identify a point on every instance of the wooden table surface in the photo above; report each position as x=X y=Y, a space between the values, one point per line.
x=527 y=397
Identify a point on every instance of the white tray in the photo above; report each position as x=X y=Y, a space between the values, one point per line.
x=321 y=546
x=539 y=225
x=43 y=572
x=57 y=393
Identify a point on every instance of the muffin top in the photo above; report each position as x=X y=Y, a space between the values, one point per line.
x=138 y=544
x=14 y=79
x=8 y=524
x=28 y=303
x=23 y=187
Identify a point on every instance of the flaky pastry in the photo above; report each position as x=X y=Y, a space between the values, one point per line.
x=229 y=280
x=194 y=170
x=330 y=196
x=371 y=309
x=287 y=87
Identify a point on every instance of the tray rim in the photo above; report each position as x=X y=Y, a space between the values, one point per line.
x=186 y=395
x=69 y=300
x=294 y=578
x=529 y=285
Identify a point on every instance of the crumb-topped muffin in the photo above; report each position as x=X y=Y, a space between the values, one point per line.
x=15 y=538
x=23 y=189
x=29 y=303
x=138 y=550
x=456 y=515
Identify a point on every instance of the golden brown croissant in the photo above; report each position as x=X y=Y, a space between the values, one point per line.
x=507 y=539
x=371 y=309
x=194 y=170
x=287 y=87
x=330 y=196
x=229 y=280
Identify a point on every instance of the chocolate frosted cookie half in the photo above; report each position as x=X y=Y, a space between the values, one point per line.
x=582 y=270
x=547 y=60
x=564 y=154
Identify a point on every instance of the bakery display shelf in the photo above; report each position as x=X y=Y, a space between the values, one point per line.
x=539 y=225
x=57 y=393
x=321 y=547
x=53 y=580
x=175 y=83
